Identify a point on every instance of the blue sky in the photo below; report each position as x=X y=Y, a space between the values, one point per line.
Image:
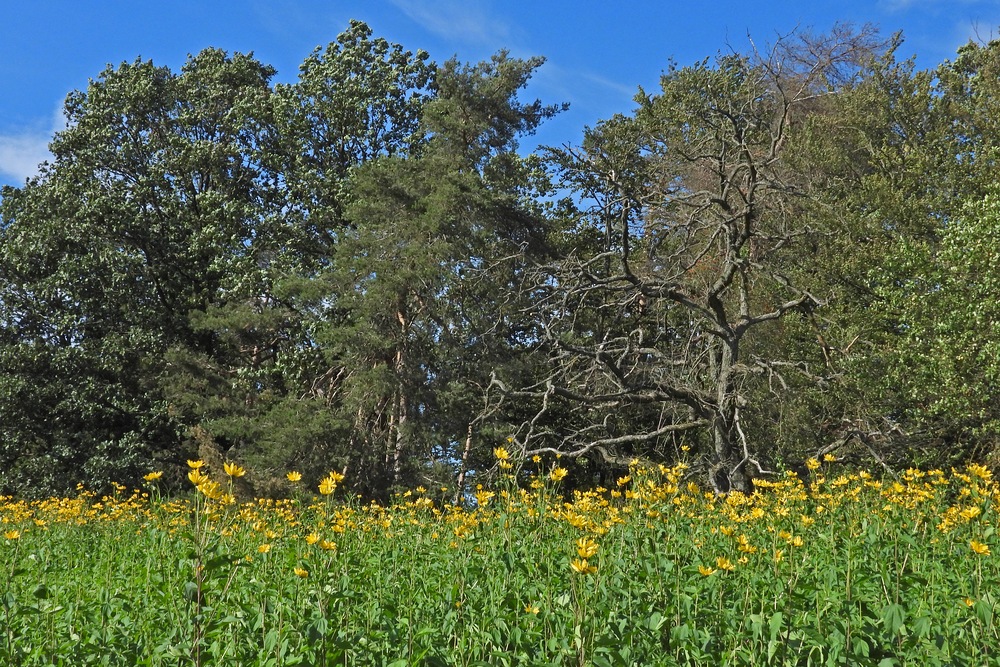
x=598 y=52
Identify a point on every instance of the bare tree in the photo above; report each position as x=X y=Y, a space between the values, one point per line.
x=691 y=230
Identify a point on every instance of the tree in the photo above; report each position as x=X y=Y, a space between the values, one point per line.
x=415 y=287
x=920 y=196
x=146 y=214
x=696 y=240
x=270 y=392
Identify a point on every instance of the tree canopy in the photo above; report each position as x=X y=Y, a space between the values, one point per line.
x=780 y=254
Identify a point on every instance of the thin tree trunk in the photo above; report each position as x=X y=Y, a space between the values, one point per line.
x=463 y=466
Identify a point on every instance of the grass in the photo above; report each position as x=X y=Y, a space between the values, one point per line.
x=845 y=570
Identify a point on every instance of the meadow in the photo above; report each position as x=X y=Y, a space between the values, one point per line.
x=842 y=569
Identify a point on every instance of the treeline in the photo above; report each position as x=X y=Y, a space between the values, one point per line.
x=780 y=254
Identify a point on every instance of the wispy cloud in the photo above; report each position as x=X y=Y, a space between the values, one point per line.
x=906 y=5
x=24 y=150
x=469 y=21
x=20 y=154
x=582 y=88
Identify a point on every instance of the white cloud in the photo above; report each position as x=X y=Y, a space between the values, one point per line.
x=21 y=154
x=466 y=20
x=23 y=151
x=922 y=5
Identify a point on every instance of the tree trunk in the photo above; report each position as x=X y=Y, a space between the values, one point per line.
x=402 y=407
x=729 y=472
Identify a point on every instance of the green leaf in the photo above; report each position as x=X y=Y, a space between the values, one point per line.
x=893 y=617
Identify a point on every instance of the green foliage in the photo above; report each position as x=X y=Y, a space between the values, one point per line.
x=778 y=253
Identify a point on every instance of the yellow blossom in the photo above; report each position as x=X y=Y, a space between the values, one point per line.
x=501 y=453
x=12 y=534
x=979 y=548
x=724 y=563
x=706 y=571
x=312 y=538
x=197 y=478
x=233 y=470
x=327 y=545
x=582 y=566
x=195 y=465
x=264 y=548
x=812 y=463
x=829 y=458
x=300 y=572
x=586 y=547
x=210 y=489
x=557 y=474
x=294 y=476
x=970 y=513
x=153 y=476
x=327 y=486
x=531 y=609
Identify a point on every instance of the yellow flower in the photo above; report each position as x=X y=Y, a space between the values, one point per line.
x=501 y=453
x=779 y=555
x=979 y=548
x=153 y=476
x=829 y=458
x=327 y=486
x=807 y=521
x=586 y=547
x=622 y=481
x=12 y=534
x=724 y=563
x=294 y=477
x=582 y=566
x=210 y=489
x=970 y=513
x=302 y=573
x=196 y=477
x=557 y=474
x=312 y=538
x=336 y=477
x=195 y=465
x=969 y=602
x=706 y=571
x=812 y=463
x=531 y=609
x=536 y=459
x=264 y=548
x=797 y=541
x=233 y=470
x=327 y=545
